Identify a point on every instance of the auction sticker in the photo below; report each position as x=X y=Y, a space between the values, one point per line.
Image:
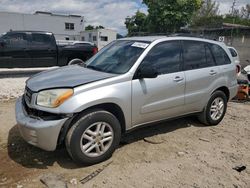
x=140 y=45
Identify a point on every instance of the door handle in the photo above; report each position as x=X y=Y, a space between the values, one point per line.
x=178 y=79
x=212 y=72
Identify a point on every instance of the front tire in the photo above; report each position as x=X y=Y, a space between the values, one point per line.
x=93 y=137
x=215 y=109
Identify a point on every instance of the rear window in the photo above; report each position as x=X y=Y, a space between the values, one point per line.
x=220 y=55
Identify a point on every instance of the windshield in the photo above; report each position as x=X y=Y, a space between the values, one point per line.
x=118 y=57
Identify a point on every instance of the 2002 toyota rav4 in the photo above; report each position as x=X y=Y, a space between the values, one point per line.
x=131 y=82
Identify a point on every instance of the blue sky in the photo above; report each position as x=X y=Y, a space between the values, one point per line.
x=109 y=13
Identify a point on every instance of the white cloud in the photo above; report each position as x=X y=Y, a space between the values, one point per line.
x=109 y=13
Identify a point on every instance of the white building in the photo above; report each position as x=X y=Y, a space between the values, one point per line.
x=101 y=37
x=64 y=27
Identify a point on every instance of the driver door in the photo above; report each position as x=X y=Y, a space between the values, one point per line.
x=162 y=97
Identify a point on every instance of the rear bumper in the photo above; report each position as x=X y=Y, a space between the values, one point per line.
x=233 y=91
x=38 y=132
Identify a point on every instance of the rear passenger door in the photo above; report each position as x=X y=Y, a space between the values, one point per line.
x=201 y=74
x=158 y=98
x=43 y=50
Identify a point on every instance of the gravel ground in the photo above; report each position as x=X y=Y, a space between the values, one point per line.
x=12 y=81
x=179 y=153
x=11 y=88
x=176 y=154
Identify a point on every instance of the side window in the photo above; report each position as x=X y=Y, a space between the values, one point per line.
x=41 y=39
x=164 y=57
x=209 y=57
x=221 y=57
x=194 y=54
x=16 y=40
x=233 y=52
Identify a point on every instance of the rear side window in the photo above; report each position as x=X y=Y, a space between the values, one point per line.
x=233 y=52
x=196 y=55
x=41 y=39
x=220 y=55
x=164 y=57
x=209 y=57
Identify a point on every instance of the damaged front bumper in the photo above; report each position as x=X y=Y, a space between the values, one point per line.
x=36 y=131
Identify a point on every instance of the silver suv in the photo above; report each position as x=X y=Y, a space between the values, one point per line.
x=129 y=83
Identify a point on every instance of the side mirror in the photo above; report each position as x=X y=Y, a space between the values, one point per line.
x=147 y=72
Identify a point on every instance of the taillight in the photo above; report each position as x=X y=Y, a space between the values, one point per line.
x=95 y=50
x=238 y=69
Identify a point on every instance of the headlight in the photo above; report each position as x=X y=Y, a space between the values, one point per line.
x=54 y=97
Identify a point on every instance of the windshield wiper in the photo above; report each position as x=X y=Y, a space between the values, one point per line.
x=93 y=67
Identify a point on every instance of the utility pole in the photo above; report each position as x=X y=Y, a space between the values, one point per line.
x=233 y=11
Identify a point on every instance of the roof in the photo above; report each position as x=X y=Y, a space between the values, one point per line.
x=230 y=25
x=28 y=31
x=177 y=37
x=98 y=30
x=44 y=13
x=145 y=38
x=52 y=14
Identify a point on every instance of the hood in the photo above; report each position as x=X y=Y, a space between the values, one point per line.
x=68 y=76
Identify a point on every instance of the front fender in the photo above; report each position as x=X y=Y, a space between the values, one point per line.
x=119 y=94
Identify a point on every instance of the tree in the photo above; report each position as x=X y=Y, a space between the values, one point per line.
x=245 y=11
x=136 y=23
x=99 y=27
x=208 y=8
x=169 y=15
x=239 y=17
x=207 y=16
x=89 y=27
x=236 y=20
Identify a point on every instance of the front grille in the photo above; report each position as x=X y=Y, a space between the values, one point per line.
x=28 y=95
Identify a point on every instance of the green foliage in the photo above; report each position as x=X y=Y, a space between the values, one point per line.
x=207 y=16
x=236 y=20
x=208 y=22
x=163 y=16
x=91 y=27
x=169 y=15
x=99 y=27
x=136 y=23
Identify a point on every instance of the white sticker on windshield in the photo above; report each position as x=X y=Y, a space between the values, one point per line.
x=140 y=45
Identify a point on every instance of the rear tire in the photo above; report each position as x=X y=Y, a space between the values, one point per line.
x=215 y=109
x=93 y=137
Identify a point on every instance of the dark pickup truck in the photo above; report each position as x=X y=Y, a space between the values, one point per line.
x=39 y=49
